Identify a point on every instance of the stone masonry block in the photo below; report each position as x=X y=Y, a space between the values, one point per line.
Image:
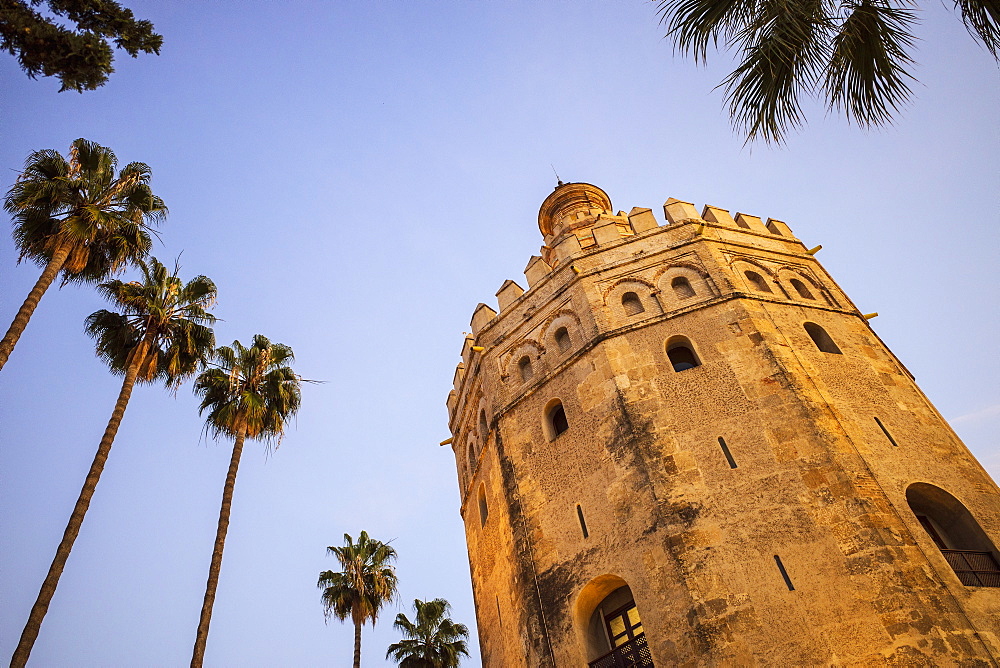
x=642 y=219
x=508 y=293
x=606 y=232
x=754 y=223
x=482 y=315
x=714 y=214
x=677 y=211
x=778 y=227
x=567 y=247
x=536 y=270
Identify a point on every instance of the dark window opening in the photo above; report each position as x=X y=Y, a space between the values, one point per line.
x=623 y=625
x=563 y=341
x=632 y=304
x=681 y=355
x=757 y=281
x=484 y=427
x=784 y=573
x=615 y=634
x=682 y=287
x=583 y=522
x=956 y=533
x=727 y=453
x=801 y=288
x=524 y=366
x=821 y=338
x=557 y=420
x=484 y=511
x=886 y=432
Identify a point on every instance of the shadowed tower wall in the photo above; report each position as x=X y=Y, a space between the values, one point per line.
x=683 y=444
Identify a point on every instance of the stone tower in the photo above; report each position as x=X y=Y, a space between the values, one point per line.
x=684 y=445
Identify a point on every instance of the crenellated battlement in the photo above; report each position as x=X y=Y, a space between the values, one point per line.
x=572 y=227
x=576 y=221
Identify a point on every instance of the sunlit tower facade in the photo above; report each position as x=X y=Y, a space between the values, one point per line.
x=683 y=444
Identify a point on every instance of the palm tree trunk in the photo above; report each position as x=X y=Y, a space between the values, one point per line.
x=198 y=657
x=28 y=307
x=357 y=644
x=41 y=606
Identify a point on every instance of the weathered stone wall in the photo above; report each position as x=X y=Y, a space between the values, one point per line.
x=816 y=483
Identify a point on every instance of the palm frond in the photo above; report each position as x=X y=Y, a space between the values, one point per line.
x=866 y=76
x=784 y=49
x=982 y=20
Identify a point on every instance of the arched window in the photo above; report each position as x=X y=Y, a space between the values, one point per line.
x=524 y=366
x=484 y=426
x=682 y=287
x=484 y=510
x=615 y=636
x=472 y=456
x=632 y=304
x=953 y=529
x=555 y=419
x=563 y=342
x=681 y=354
x=821 y=338
x=801 y=288
x=757 y=281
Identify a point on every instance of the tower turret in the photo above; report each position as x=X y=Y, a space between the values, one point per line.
x=683 y=444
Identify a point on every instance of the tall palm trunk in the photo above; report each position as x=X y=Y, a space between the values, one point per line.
x=198 y=657
x=357 y=644
x=41 y=605
x=28 y=307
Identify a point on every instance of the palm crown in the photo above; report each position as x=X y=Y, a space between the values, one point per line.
x=252 y=390
x=433 y=641
x=80 y=204
x=163 y=320
x=366 y=582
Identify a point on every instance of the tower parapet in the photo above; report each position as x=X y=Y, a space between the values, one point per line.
x=683 y=436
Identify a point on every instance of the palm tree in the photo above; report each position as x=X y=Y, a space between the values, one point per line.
x=249 y=393
x=855 y=53
x=366 y=582
x=434 y=641
x=76 y=217
x=161 y=334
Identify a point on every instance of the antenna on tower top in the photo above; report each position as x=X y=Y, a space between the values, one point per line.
x=558 y=180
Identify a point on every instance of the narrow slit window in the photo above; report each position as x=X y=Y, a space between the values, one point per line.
x=563 y=341
x=682 y=287
x=556 y=416
x=886 y=432
x=524 y=366
x=632 y=304
x=681 y=354
x=727 y=453
x=821 y=338
x=801 y=288
x=484 y=510
x=784 y=573
x=583 y=522
x=757 y=281
x=472 y=458
x=484 y=427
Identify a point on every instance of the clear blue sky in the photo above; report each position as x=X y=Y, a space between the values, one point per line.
x=356 y=177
